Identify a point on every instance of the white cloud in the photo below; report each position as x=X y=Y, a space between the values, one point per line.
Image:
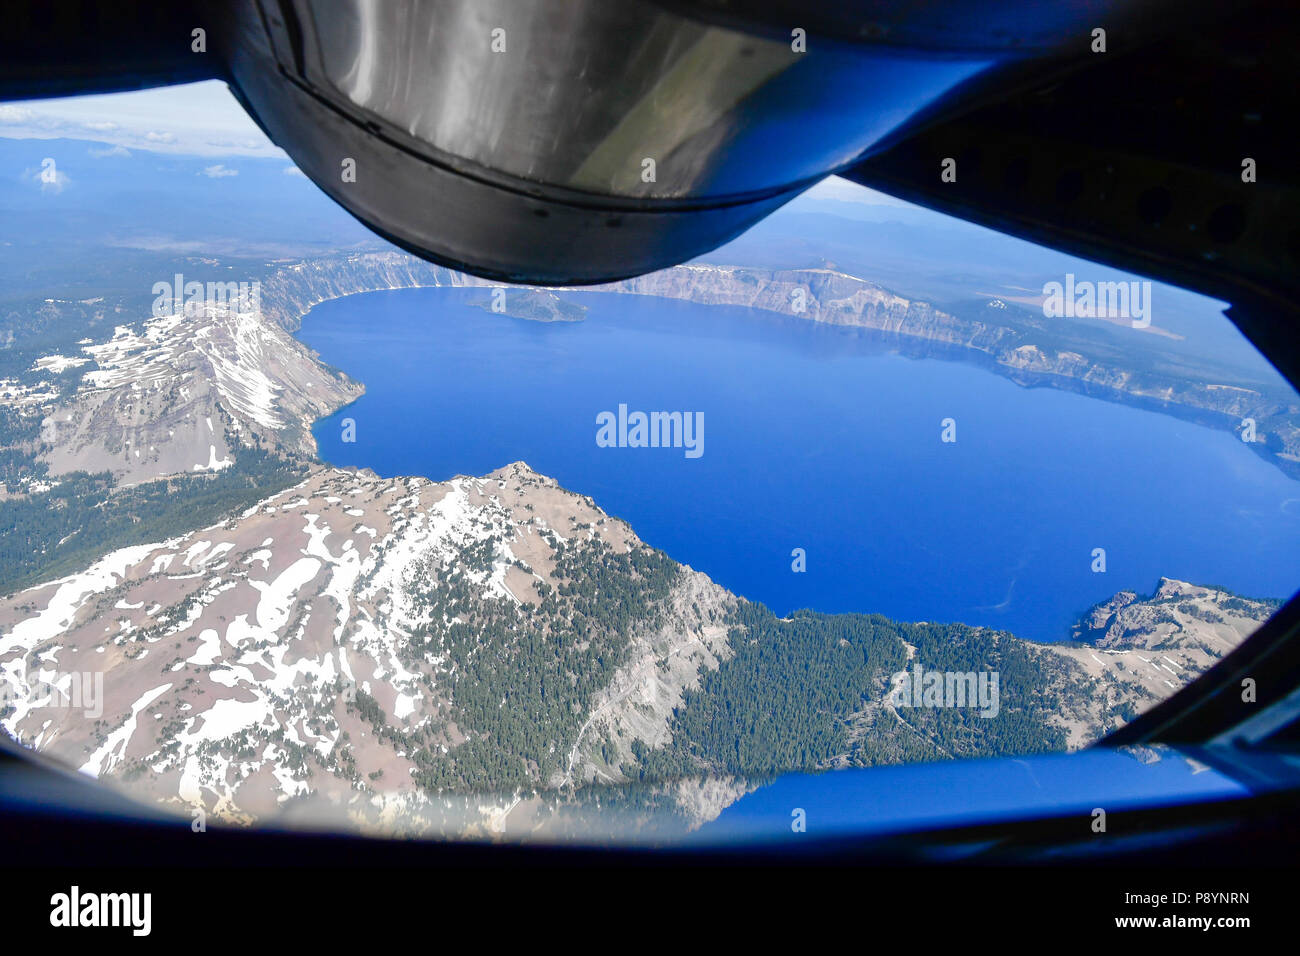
x=193 y=119
x=15 y=114
x=110 y=151
x=219 y=171
x=294 y=171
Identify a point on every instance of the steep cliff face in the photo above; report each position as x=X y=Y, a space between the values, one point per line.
x=291 y=291
x=1019 y=352
x=819 y=295
x=185 y=392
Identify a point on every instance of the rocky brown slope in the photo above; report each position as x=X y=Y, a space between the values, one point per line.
x=1137 y=651
x=303 y=651
x=182 y=393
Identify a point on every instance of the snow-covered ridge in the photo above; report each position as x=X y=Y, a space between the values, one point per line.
x=231 y=655
x=234 y=346
x=182 y=392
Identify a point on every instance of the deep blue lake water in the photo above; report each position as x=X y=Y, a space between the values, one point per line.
x=816 y=438
x=952 y=793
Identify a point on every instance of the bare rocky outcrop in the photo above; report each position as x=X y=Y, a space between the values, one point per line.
x=1137 y=651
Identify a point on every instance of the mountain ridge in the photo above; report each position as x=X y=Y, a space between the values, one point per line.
x=377 y=647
